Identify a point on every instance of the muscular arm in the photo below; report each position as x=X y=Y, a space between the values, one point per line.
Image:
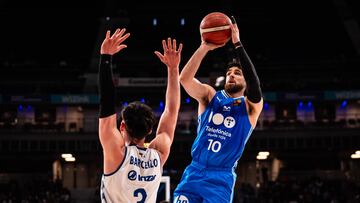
x=110 y=138
x=168 y=119
x=197 y=90
x=254 y=100
x=107 y=116
x=166 y=129
x=106 y=87
x=254 y=95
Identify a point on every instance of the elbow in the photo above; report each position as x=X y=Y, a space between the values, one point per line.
x=184 y=78
x=255 y=95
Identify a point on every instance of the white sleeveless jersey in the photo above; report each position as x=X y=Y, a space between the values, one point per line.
x=136 y=180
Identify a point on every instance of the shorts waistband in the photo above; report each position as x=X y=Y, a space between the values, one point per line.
x=202 y=166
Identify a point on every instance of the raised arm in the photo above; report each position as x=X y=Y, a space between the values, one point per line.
x=254 y=94
x=109 y=134
x=197 y=90
x=166 y=129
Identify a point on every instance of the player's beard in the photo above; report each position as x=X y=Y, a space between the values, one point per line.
x=233 y=87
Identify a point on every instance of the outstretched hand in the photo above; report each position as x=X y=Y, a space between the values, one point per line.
x=112 y=45
x=171 y=57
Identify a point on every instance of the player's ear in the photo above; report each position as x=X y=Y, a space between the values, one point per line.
x=122 y=126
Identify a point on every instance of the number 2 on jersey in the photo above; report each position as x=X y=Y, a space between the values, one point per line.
x=143 y=194
x=214 y=146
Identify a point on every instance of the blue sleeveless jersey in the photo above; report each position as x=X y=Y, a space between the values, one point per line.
x=223 y=130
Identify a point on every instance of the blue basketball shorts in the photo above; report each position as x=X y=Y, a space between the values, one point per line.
x=201 y=184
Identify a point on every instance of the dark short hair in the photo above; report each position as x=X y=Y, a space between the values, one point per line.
x=233 y=63
x=139 y=119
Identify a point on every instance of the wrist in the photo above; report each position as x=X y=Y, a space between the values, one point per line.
x=173 y=68
x=170 y=68
x=106 y=57
x=237 y=44
x=204 y=48
x=105 y=52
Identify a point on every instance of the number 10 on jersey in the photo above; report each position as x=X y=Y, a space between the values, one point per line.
x=214 y=146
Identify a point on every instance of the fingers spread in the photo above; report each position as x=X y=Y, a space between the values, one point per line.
x=107 y=34
x=121 y=32
x=115 y=33
x=164 y=46
x=180 y=48
x=174 y=44
x=169 y=43
x=123 y=38
x=158 y=54
x=120 y=47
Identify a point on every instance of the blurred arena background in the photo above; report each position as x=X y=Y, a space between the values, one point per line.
x=306 y=54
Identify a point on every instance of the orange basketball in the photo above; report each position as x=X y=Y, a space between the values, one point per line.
x=215 y=28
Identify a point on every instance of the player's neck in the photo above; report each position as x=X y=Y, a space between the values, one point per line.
x=133 y=141
x=236 y=94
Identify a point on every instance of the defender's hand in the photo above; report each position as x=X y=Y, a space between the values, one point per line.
x=112 y=45
x=171 y=57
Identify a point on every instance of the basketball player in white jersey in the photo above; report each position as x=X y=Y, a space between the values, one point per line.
x=132 y=172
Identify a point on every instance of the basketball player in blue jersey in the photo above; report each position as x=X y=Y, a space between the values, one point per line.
x=225 y=121
x=132 y=172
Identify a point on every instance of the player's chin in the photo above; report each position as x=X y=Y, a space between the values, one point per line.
x=233 y=87
x=230 y=87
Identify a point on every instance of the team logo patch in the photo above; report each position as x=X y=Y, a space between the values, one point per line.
x=181 y=199
x=218 y=119
x=226 y=108
x=237 y=102
x=229 y=122
x=132 y=175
